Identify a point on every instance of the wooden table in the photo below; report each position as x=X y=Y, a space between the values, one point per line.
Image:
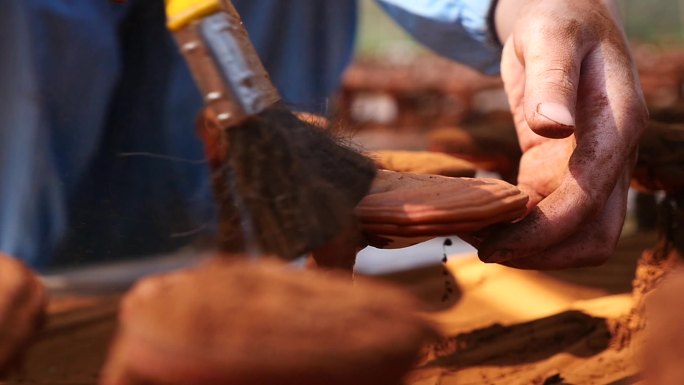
x=73 y=346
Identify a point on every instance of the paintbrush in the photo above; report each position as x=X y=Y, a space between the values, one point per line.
x=283 y=187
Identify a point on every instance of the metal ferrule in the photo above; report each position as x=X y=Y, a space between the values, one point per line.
x=226 y=67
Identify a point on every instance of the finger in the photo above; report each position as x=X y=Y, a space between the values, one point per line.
x=611 y=116
x=116 y=371
x=592 y=245
x=552 y=56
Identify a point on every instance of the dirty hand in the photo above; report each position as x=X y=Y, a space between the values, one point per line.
x=22 y=304
x=579 y=112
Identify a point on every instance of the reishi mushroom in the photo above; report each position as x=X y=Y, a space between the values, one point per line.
x=410 y=206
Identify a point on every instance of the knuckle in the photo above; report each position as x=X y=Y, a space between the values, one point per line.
x=557 y=77
x=565 y=29
x=594 y=258
x=600 y=249
x=599 y=256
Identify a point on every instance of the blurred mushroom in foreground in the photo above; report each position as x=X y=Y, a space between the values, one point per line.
x=237 y=321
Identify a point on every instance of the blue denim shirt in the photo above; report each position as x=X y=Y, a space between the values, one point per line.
x=98 y=154
x=452 y=28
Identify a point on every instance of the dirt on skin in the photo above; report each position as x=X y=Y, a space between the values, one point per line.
x=273 y=325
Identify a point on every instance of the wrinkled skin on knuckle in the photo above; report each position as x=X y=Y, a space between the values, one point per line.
x=577 y=22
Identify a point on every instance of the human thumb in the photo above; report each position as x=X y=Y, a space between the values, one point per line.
x=552 y=72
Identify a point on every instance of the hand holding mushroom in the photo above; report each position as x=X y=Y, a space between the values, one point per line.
x=579 y=112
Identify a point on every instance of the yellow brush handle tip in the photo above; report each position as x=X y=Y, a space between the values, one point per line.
x=179 y=13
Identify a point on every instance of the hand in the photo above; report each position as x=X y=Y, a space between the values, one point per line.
x=22 y=304
x=579 y=112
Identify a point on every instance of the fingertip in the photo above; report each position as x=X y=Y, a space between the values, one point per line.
x=552 y=120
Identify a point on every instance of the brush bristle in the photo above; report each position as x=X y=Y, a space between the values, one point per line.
x=287 y=187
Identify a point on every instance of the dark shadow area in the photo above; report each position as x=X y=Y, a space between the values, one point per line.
x=430 y=285
x=629 y=380
x=616 y=275
x=572 y=332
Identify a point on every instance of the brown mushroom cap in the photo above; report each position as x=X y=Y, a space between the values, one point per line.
x=242 y=322
x=409 y=205
x=423 y=162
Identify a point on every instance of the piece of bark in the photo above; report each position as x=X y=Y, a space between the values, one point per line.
x=403 y=205
x=261 y=322
x=423 y=162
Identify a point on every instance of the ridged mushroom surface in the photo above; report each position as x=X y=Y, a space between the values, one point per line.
x=406 y=205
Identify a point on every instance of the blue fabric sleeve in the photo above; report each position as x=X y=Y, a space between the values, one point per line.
x=457 y=29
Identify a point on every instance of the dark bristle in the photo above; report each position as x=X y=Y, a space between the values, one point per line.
x=287 y=186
